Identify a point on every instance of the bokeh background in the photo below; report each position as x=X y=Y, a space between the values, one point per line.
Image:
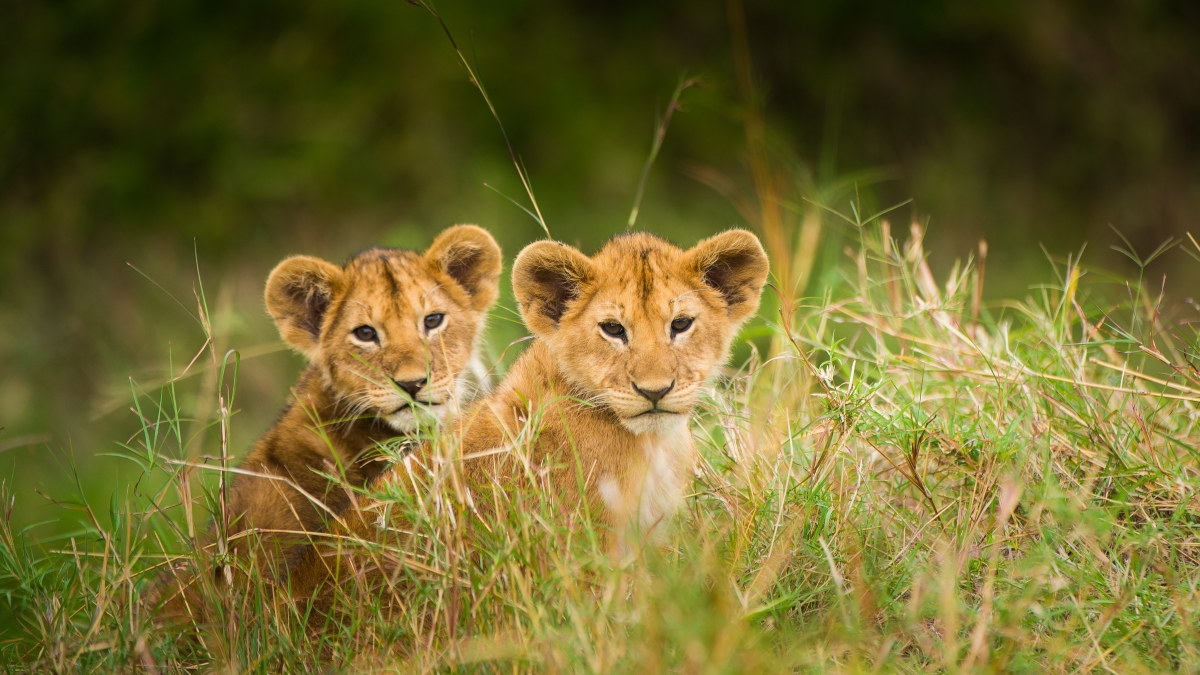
x=205 y=141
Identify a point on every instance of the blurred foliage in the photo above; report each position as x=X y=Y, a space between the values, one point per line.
x=218 y=137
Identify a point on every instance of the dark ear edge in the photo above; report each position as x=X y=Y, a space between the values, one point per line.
x=469 y=255
x=299 y=292
x=547 y=277
x=735 y=265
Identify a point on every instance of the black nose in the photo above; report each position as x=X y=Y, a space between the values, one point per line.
x=654 y=395
x=411 y=386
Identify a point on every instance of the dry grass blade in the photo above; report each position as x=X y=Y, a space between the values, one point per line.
x=660 y=133
x=474 y=77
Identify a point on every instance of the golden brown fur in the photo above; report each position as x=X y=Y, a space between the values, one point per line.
x=617 y=400
x=375 y=354
x=351 y=396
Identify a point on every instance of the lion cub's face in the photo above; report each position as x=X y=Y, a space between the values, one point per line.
x=391 y=328
x=642 y=325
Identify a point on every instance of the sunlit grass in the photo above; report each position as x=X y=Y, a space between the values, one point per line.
x=912 y=481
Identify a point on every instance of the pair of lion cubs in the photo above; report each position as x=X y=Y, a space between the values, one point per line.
x=624 y=342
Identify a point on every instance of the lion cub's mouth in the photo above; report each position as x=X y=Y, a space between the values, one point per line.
x=656 y=411
x=426 y=404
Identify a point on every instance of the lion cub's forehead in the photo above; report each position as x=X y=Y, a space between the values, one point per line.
x=643 y=271
x=390 y=284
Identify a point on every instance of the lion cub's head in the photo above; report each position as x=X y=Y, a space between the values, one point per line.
x=390 y=327
x=640 y=326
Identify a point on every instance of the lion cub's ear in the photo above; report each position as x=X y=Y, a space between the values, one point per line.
x=547 y=276
x=299 y=291
x=736 y=266
x=469 y=255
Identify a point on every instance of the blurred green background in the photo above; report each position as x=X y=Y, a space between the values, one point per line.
x=159 y=135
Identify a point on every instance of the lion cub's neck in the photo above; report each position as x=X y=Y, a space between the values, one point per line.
x=648 y=492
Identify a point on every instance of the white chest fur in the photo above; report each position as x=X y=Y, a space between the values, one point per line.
x=650 y=492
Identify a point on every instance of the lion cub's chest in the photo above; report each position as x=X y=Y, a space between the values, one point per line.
x=651 y=488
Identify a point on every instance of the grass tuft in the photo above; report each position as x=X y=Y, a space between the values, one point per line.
x=909 y=480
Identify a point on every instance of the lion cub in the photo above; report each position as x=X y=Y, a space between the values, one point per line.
x=624 y=342
x=389 y=334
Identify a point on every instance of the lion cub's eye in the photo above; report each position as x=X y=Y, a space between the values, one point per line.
x=681 y=324
x=366 y=334
x=613 y=328
x=433 y=321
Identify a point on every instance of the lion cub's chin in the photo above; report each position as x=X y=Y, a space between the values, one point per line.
x=655 y=423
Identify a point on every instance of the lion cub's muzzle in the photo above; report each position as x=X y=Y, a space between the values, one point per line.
x=406 y=402
x=655 y=395
x=412 y=388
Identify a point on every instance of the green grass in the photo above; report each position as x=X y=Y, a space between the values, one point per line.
x=900 y=479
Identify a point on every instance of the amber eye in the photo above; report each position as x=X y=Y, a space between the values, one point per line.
x=366 y=334
x=433 y=321
x=613 y=328
x=681 y=324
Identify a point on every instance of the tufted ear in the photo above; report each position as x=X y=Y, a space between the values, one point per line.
x=736 y=266
x=299 y=291
x=470 y=256
x=547 y=276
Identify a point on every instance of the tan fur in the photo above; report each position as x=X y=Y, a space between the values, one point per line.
x=586 y=382
x=348 y=399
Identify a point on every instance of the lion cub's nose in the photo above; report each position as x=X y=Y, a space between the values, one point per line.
x=411 y=386
x=654 y=395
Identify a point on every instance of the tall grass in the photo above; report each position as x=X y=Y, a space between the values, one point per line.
x=915 y=482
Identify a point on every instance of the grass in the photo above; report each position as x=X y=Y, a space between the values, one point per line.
x=906 y=480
